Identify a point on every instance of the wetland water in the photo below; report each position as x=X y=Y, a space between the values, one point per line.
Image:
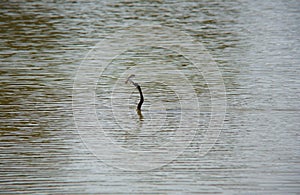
x=68 y=120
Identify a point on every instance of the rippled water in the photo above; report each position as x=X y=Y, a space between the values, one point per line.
x=44 y=45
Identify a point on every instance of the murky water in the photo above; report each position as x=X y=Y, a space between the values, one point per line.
x=43 y=148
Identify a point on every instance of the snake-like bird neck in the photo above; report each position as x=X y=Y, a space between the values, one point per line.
x=129 y=80
x=141 y=97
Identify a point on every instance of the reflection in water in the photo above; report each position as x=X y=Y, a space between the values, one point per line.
x=255 y=44
x=139 y=112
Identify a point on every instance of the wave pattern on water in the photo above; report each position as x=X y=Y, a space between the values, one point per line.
x=256 y=45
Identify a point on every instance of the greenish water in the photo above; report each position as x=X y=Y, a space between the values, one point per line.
x=44 y=45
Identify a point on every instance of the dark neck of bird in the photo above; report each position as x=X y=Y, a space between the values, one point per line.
x=141 y=98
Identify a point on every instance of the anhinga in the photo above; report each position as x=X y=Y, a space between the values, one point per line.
x=140 y=90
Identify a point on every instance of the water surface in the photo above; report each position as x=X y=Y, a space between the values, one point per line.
x=256 y=45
